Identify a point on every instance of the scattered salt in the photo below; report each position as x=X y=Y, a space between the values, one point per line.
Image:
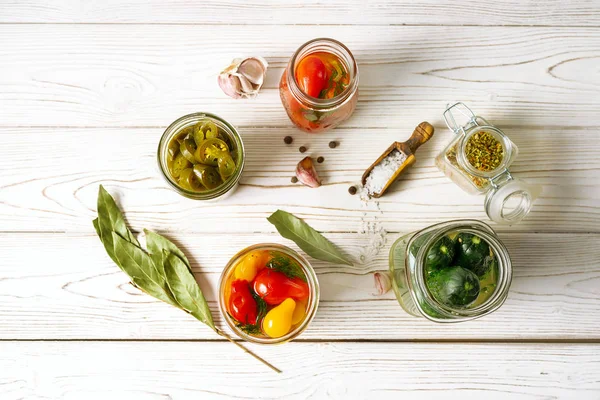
x=383 y=171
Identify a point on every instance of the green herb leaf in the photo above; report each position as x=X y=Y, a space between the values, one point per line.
x=157 y=244
x=185 y=289
x=308 y=239
x=311 y=116
x=287 y=267
x=97 y=228
x=142 y=270
x=111 y=219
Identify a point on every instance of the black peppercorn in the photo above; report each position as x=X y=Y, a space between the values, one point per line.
x=288 y=140
x=320 y=160
x=302 y=149
x=352 y=190
x=332 y=145
x=294 y=179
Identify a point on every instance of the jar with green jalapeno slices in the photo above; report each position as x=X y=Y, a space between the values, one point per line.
x=201 y=156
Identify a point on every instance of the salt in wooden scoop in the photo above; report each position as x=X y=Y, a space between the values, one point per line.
x=421 y=135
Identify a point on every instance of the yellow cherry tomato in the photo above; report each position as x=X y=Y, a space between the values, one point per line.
x=299 y=312
x=278 y=320
x=251 y=264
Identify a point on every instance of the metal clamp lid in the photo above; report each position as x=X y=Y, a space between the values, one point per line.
x=465 y=111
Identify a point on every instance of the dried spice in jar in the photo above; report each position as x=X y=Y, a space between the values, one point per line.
x=484 y=152
x=479 y=182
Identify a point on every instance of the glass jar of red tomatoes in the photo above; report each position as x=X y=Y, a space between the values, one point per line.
x=268 y=294
x=319 y=87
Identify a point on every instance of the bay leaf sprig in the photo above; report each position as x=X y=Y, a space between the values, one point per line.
x=312 y=242
x=162 y=271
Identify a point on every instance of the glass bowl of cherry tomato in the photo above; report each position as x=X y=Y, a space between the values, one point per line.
x=268 y=294
x=319 y=87
x=201 y=156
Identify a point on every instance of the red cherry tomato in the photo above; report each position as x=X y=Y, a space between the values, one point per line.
x=242 y=305
x=274 y=287
x=311 y=75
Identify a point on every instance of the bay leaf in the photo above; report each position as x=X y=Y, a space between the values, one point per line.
x=111 y=219
x=97 y=228
x=142 y=270
x=157 y=244
x=312 y=242
x=185 y=289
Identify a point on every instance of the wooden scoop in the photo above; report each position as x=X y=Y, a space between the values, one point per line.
x=421 y=134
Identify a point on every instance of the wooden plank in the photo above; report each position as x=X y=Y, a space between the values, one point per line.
x=64 y=286
x=78 y=370
x=137 y=75
x=335 y=12
x=55 y=185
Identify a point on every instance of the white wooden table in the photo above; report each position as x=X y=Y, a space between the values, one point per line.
x=86 y=90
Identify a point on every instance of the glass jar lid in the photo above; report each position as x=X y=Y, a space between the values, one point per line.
x=509 y=201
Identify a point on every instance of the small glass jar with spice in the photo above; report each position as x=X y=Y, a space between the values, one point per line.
x=477 y=160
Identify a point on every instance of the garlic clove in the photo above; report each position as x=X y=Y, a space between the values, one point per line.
x=254 y=70
x=307 y=174
x=383 y=283
x=230 y=85
x=244 y=77
x=246 y=85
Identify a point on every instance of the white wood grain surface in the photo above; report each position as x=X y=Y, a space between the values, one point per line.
x=191 y=370
x=86 y=90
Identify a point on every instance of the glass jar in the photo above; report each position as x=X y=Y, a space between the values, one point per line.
x=407 y=268
x=508 y=200
x=312 y=302
x=237 y=153
x=312 y=114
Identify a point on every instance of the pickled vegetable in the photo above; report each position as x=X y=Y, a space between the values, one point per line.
x=179 y=164
x=201 y=157
x=226 y=166
x=440 y=255
x=471 y=252
x=208 y=176
x=461 y=270
x=278 y=320
x=188 y=148
x=278 y=286
x=251 y=264
x=211 y=150
x=454 y=286
x=188 y=180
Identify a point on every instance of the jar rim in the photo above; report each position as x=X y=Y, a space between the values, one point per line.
x=453 y=314
x=185 y=121
x=332 y=46
x=311 y=278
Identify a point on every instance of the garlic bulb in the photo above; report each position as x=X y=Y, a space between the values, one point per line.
x=244 y=77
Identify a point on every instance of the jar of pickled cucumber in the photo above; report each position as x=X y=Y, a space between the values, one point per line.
x=451 y=272
x=201 y=156
x=477 y=160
